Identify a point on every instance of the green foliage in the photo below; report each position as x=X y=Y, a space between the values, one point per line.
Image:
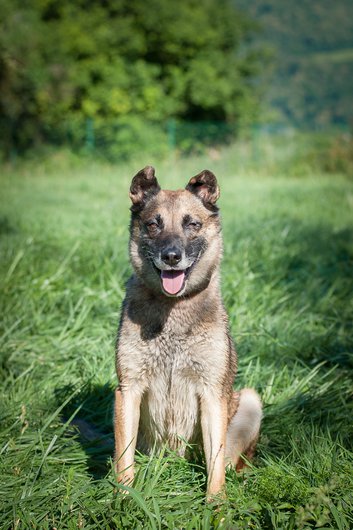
x=293 y=153
x=338 y=158
x=286 y=279
x=63 y=62
x=120 y=140
x=328 y=153
x=312 y=48
x=276 y=485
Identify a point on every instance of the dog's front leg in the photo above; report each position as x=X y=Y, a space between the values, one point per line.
x=126 y=421
x=214 y=429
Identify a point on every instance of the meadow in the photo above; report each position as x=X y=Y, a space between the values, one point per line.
x=287 y=286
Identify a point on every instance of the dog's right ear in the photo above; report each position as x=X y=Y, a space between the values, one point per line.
x=144 y=185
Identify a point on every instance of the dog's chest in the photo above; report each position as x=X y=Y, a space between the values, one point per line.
x=170 y=404
x=173 y=355
x=171 y=358
x=173 y=350
x=177 y=369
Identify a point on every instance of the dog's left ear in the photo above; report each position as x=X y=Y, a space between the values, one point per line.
x=144 y=185
x=205 y=186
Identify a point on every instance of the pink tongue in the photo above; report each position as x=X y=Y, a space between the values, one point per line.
x=172 y=281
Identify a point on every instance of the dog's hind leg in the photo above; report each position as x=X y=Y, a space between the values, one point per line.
x=243 y=427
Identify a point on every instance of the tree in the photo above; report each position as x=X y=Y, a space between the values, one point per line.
x=115 y=60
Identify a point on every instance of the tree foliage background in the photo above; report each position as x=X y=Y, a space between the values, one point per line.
x=312 y=42
x=127 y=64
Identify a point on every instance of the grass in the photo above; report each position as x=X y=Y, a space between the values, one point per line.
x=287 y=285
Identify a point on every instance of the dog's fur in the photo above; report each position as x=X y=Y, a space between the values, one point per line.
x=176 y=361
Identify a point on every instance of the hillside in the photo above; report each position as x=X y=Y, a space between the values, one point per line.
x=312 y=47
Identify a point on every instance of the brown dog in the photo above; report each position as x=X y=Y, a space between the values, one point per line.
x=176 y=362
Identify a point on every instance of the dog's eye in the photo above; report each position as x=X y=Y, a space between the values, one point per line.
x=191 y=224
x=194 y=225
x=152 y=227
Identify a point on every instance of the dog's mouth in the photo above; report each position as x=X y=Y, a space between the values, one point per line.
x=173 y=280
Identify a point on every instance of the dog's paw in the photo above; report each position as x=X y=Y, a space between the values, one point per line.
x=217 y=498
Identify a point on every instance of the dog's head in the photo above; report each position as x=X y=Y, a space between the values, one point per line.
x=175 y=243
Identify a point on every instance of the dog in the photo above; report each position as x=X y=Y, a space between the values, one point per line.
x=176 y=361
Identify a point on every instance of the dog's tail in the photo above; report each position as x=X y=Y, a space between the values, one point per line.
x=244 y=427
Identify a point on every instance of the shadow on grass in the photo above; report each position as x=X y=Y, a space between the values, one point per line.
x=6 y=226
x=305 y=273
x=318 y=271
x=93 y=423
x=310 y=268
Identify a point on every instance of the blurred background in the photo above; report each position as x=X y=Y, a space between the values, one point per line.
x=120 y=78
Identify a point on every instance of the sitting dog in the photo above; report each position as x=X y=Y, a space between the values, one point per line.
x=176 y=362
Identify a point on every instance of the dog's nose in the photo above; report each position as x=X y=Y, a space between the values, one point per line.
x=171 y=255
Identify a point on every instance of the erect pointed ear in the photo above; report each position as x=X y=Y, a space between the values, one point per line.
x=143 y=186
x=205 y=186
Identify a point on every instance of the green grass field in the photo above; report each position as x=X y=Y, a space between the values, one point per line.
x=287 y=285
